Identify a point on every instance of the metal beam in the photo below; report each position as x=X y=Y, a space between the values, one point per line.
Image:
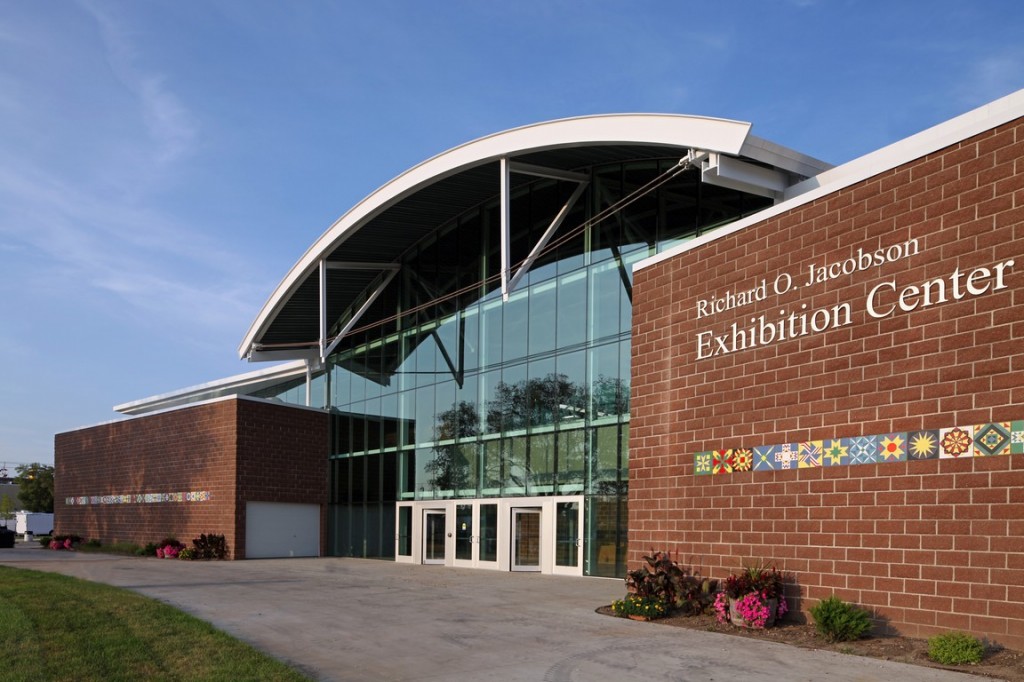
x=358 y=314
x=359 y=265
x=506 y=201
x=323 y=307
x=545 y=172
x=546 y=237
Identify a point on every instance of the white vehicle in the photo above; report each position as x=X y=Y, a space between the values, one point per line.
x=37 y=523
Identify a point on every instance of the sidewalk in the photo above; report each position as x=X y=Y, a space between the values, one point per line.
x=357 y=619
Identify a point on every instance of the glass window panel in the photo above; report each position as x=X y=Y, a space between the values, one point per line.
x=446 y=409
x=407 y=403
x=358 y=479
x=572 y=309
x=604 y=460
x=542 y=463
x=572 y=451
x=491 y=467
x=373 y=425
x=489 y=390
x=445 y=471
x=424 y=414
x=567 y=533
x=389 y=477
x=514 y=466
x=405 y=531
x=516 y=326
x=341 y=471
x=469 y=460
x=424 y=474
x=572 y=368
x=605 y=287
x=341 y=388
x=605 y=547
x=373 y=476
x=488 y=532
x=605 y=386
x=359 y=427
x=389 y=421
x=491 y=333
x=407 y=469
x=509 y=406
x=471 y=340
x=464 y=531
x=542 y=318
x=544 y=392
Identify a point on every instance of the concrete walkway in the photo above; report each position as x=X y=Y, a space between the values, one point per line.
x=353 y=619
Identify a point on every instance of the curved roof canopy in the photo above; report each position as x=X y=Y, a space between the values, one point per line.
x=366 y=243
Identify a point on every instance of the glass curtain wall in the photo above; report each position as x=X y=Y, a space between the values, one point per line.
x=464 y=395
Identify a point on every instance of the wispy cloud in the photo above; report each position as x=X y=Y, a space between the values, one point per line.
x=170 y=123
x=993 y=76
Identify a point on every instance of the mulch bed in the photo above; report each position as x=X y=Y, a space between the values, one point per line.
x=999 y=663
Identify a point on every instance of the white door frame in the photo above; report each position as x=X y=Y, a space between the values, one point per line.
x=548 y=507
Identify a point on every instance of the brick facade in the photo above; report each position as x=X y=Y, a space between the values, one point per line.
x=929 y=545
x=236 y=450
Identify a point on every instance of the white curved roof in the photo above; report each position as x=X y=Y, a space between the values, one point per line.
x=605 y=131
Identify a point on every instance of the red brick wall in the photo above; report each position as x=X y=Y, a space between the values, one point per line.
x=282 y=457
x=929 y=545
x=237 y=450
x=186 y=450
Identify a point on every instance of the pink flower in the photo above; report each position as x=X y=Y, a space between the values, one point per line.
x=67 y=543
x=55 y=545
x=160 y=552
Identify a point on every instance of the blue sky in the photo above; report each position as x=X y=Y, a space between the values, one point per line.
x=163 y=164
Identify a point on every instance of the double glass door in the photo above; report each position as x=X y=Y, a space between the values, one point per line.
x=541 y=534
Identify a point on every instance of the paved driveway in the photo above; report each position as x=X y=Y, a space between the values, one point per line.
x=355 y=619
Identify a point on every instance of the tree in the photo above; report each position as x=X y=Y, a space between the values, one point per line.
x=36 y=487
x=6 y=509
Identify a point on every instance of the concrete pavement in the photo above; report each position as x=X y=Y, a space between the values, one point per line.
x=355 y=619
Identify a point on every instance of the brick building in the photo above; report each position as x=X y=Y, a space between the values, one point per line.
x=561 y=346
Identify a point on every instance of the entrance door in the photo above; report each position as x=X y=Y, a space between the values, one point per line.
x=433 y=536
x=526 y=539
x=568 y=538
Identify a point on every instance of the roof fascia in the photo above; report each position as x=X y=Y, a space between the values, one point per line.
x=671 y=130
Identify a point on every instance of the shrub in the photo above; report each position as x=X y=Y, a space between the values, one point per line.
x=187 y=554
x=955 y=648
x=838 y=621
x=210 y=547
x=662 y=580
x=148 y=550
x=635 y=605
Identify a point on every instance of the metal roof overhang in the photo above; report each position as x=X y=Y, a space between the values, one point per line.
x=374 y=233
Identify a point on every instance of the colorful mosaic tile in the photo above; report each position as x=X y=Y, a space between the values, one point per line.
x=702 y=464
x=956 y=442
x=923 y=445
x=1017 y=438
x=864 y=450
x=742 y=459
x=140 y=498
x=992 y=439
x=721 y=462
x=787 y=455
x=764 y=458
x=892 y=447
x=810 y=454
x=835 y=452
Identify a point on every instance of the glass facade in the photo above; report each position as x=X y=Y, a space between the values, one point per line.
x=460 y=394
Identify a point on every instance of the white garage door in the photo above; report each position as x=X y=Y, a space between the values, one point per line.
x=279 y=529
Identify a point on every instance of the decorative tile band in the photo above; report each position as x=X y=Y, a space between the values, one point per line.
x=140 y=498
x=983 y=440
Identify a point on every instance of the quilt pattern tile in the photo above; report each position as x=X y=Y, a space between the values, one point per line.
x=809 y=454
x=892 y=447
x=721 y=462
x=992 y=439
x=742 y=459
x=923 y=445
x=764 y=458
x=1017 y=438
x=787 y=456
x=702 y=464
x=956 y=442
x=835 y=452
x=864 y=450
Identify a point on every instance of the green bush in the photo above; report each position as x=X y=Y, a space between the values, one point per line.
x=838 y=621
x=955 y=648
x=210 y=547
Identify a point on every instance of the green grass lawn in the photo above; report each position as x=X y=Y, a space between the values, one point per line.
x=53 y=627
